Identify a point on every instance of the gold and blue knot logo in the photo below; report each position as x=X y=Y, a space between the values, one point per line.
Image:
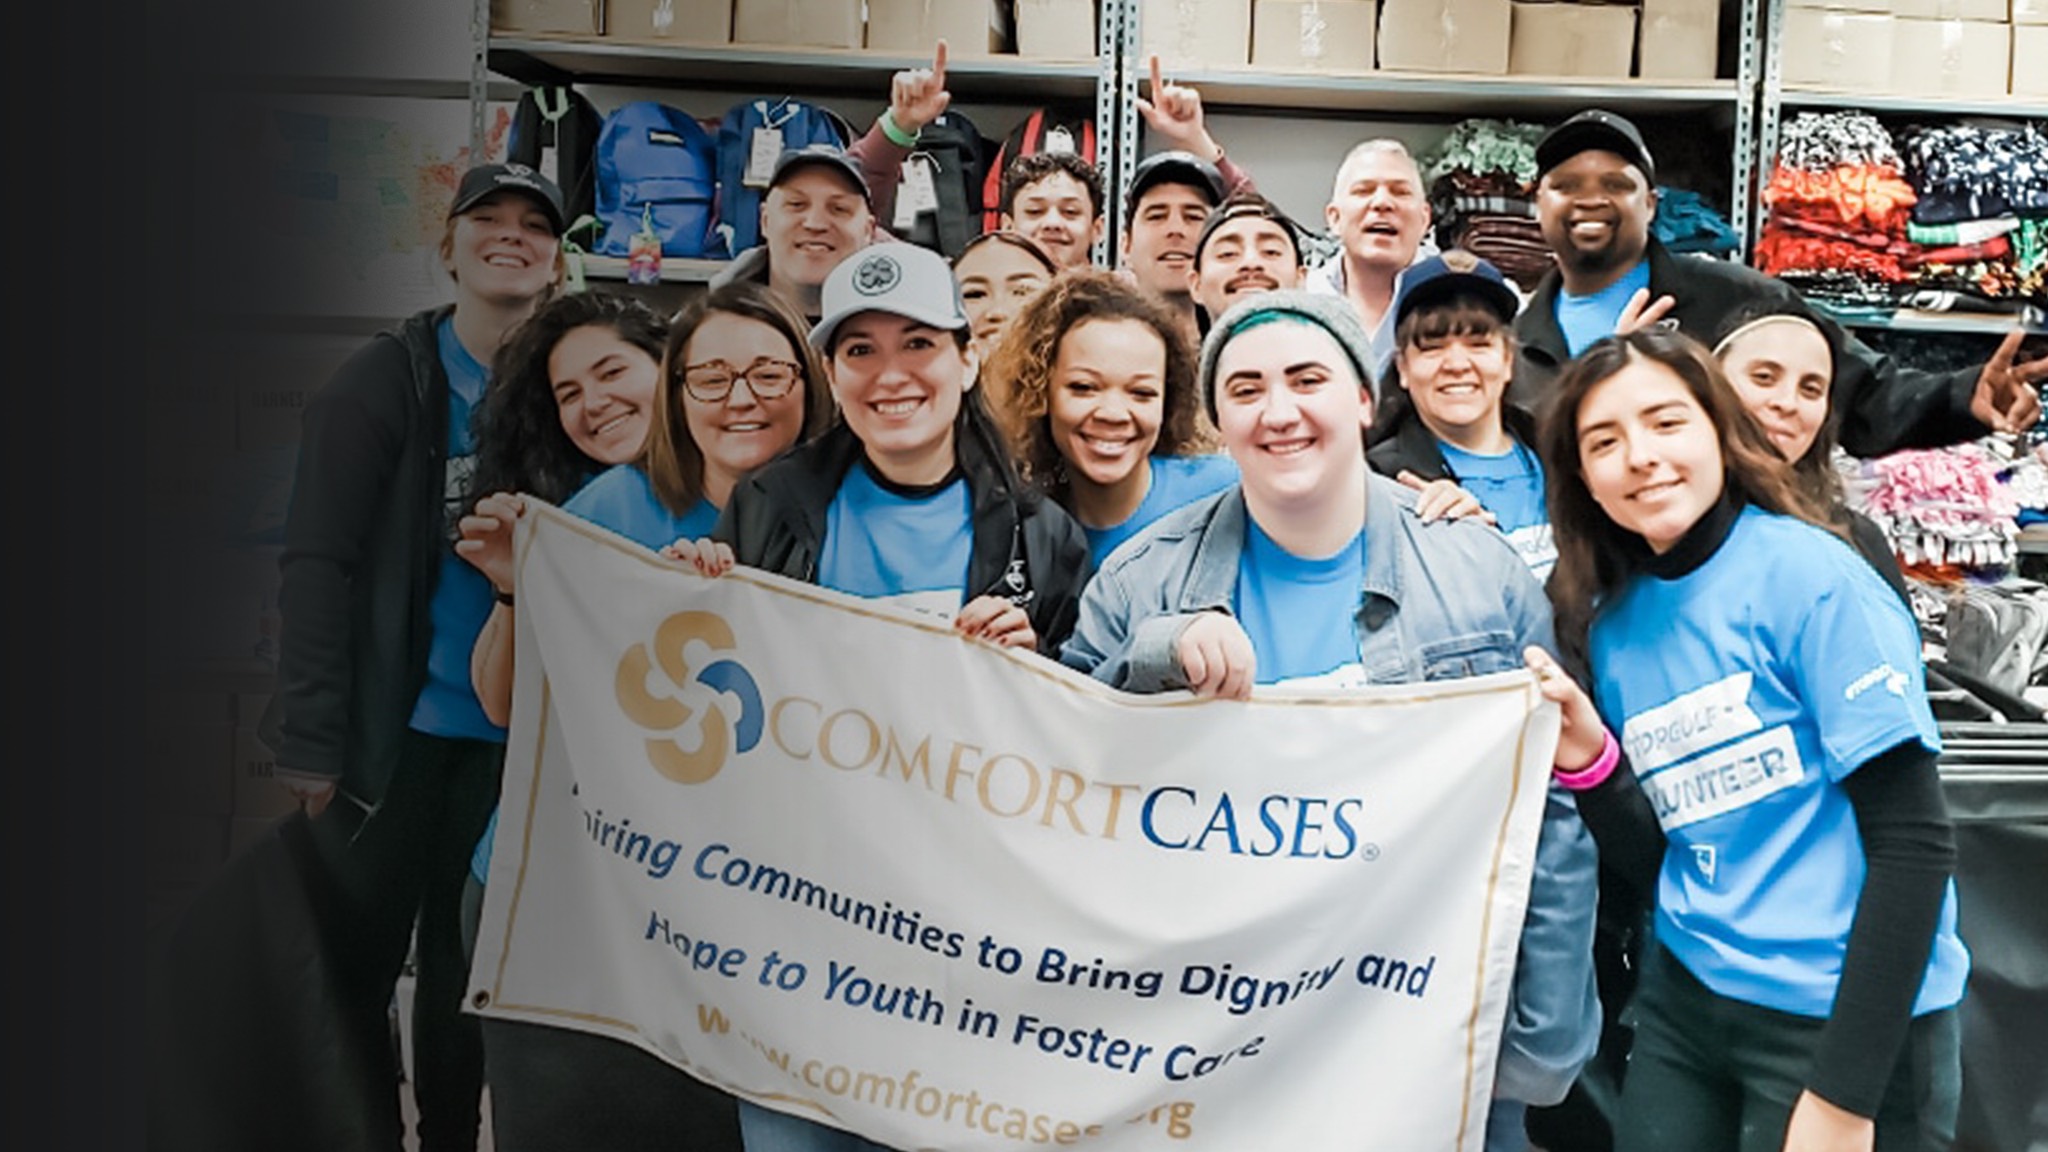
x=664 y=712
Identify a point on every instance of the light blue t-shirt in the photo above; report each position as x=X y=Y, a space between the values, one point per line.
x=1585 y=319
x=1176 y=481
x=885 y=544
x=1299 y=612
x=447 y=704
x=1744 y=692
x=622 y=498
x=1509 y=485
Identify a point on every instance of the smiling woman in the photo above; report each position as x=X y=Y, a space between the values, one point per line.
x=1098 y=394
x=1794 y=832
x=679 y=414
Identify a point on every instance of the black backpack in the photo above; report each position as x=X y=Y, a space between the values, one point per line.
x=554 y=131
x=952 y=154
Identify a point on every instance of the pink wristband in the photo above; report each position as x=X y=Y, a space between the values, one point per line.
x=1592 y=774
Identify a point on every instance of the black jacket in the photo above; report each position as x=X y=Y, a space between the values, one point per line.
x=1024 y=544
x=363 y=543
x=1408 y=444
x=1885 y=407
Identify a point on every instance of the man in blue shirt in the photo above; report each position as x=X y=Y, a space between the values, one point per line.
x=1596 y=194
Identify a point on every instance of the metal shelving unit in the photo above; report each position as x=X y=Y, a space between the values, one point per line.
x=530 y=58
x=1113 y=79
x=1776 y=99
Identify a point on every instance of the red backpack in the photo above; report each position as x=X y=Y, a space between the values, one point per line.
x=1049 y=129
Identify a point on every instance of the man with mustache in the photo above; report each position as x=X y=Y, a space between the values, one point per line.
x=1596 y=194
x=1247 y=245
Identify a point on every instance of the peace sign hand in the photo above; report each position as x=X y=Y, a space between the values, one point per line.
x=2006 y=398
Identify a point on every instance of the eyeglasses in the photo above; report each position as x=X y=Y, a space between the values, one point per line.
x=711 y=381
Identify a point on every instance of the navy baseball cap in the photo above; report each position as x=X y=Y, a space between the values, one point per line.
x=1452 y=273
x=1595 y=128
x=1174 y=167
x=487 y=179
x=823 y=156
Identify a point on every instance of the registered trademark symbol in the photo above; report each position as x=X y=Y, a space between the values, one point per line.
x=1368 y=852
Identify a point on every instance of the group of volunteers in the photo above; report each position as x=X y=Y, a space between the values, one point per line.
x=1210 y=469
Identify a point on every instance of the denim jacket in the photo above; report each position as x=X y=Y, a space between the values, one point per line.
x=1440 y=601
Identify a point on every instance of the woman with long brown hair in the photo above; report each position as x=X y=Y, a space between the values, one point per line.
x=1780 y=796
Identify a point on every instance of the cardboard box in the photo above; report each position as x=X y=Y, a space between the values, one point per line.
x=683 y=21
x=1057 y=29
x=1992 y=10
x=257 y=792
x=798 y=23
x=1317 y=36
x=1445 y=36
x=586 y=16
x=1846 y=50
x=1951 y=57
x=1196 y=33
x=914 y=27
x=1571 y=40
x=2029 y=48
x=1679 y=40
x=2033 y=12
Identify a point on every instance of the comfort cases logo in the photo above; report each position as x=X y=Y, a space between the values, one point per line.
x=665 y=713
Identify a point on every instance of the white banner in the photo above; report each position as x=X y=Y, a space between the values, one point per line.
x=838 y=860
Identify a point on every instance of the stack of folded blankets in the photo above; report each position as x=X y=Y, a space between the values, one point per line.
x=1980 y=218
x=1481 y=181
x=1947 y=512
x=1839 y=206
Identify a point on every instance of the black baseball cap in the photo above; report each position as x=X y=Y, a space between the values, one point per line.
x=1595 y=128
x=820 y=155
x=487 y=179
x=1240 y=206
x=1452 y=273
x=1174 y=167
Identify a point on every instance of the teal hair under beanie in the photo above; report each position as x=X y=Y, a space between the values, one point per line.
x=1331 y=313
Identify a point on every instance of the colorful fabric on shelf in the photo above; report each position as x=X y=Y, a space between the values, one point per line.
x=1821 y=141
x=1685 y=223
x=1966 y=172
x=1940 y=506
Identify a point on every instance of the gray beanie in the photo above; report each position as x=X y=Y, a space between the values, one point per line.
x=1328 y=311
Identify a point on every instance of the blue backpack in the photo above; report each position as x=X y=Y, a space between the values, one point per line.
x=739 y=202
x=658 y=163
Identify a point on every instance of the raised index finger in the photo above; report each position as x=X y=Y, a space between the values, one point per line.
x=939 y=64
x=1158 y=84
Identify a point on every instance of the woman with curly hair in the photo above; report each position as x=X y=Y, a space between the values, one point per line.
x=1779 y=795
x=1098 y=388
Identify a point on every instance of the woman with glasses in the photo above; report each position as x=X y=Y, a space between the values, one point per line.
x=734 y=386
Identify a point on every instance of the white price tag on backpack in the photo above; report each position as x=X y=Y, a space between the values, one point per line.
x=762 y=151
x=917 y=194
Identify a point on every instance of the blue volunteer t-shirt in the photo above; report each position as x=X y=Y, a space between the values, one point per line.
x=1585 y=319
x=622 y=498
x=1299 y=612
x=447 y=704
x=1744 y=692
x=911 y=548
x=1177 y=481
x=1509 y=485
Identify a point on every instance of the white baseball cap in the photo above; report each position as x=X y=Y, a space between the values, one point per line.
x=902 y=279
